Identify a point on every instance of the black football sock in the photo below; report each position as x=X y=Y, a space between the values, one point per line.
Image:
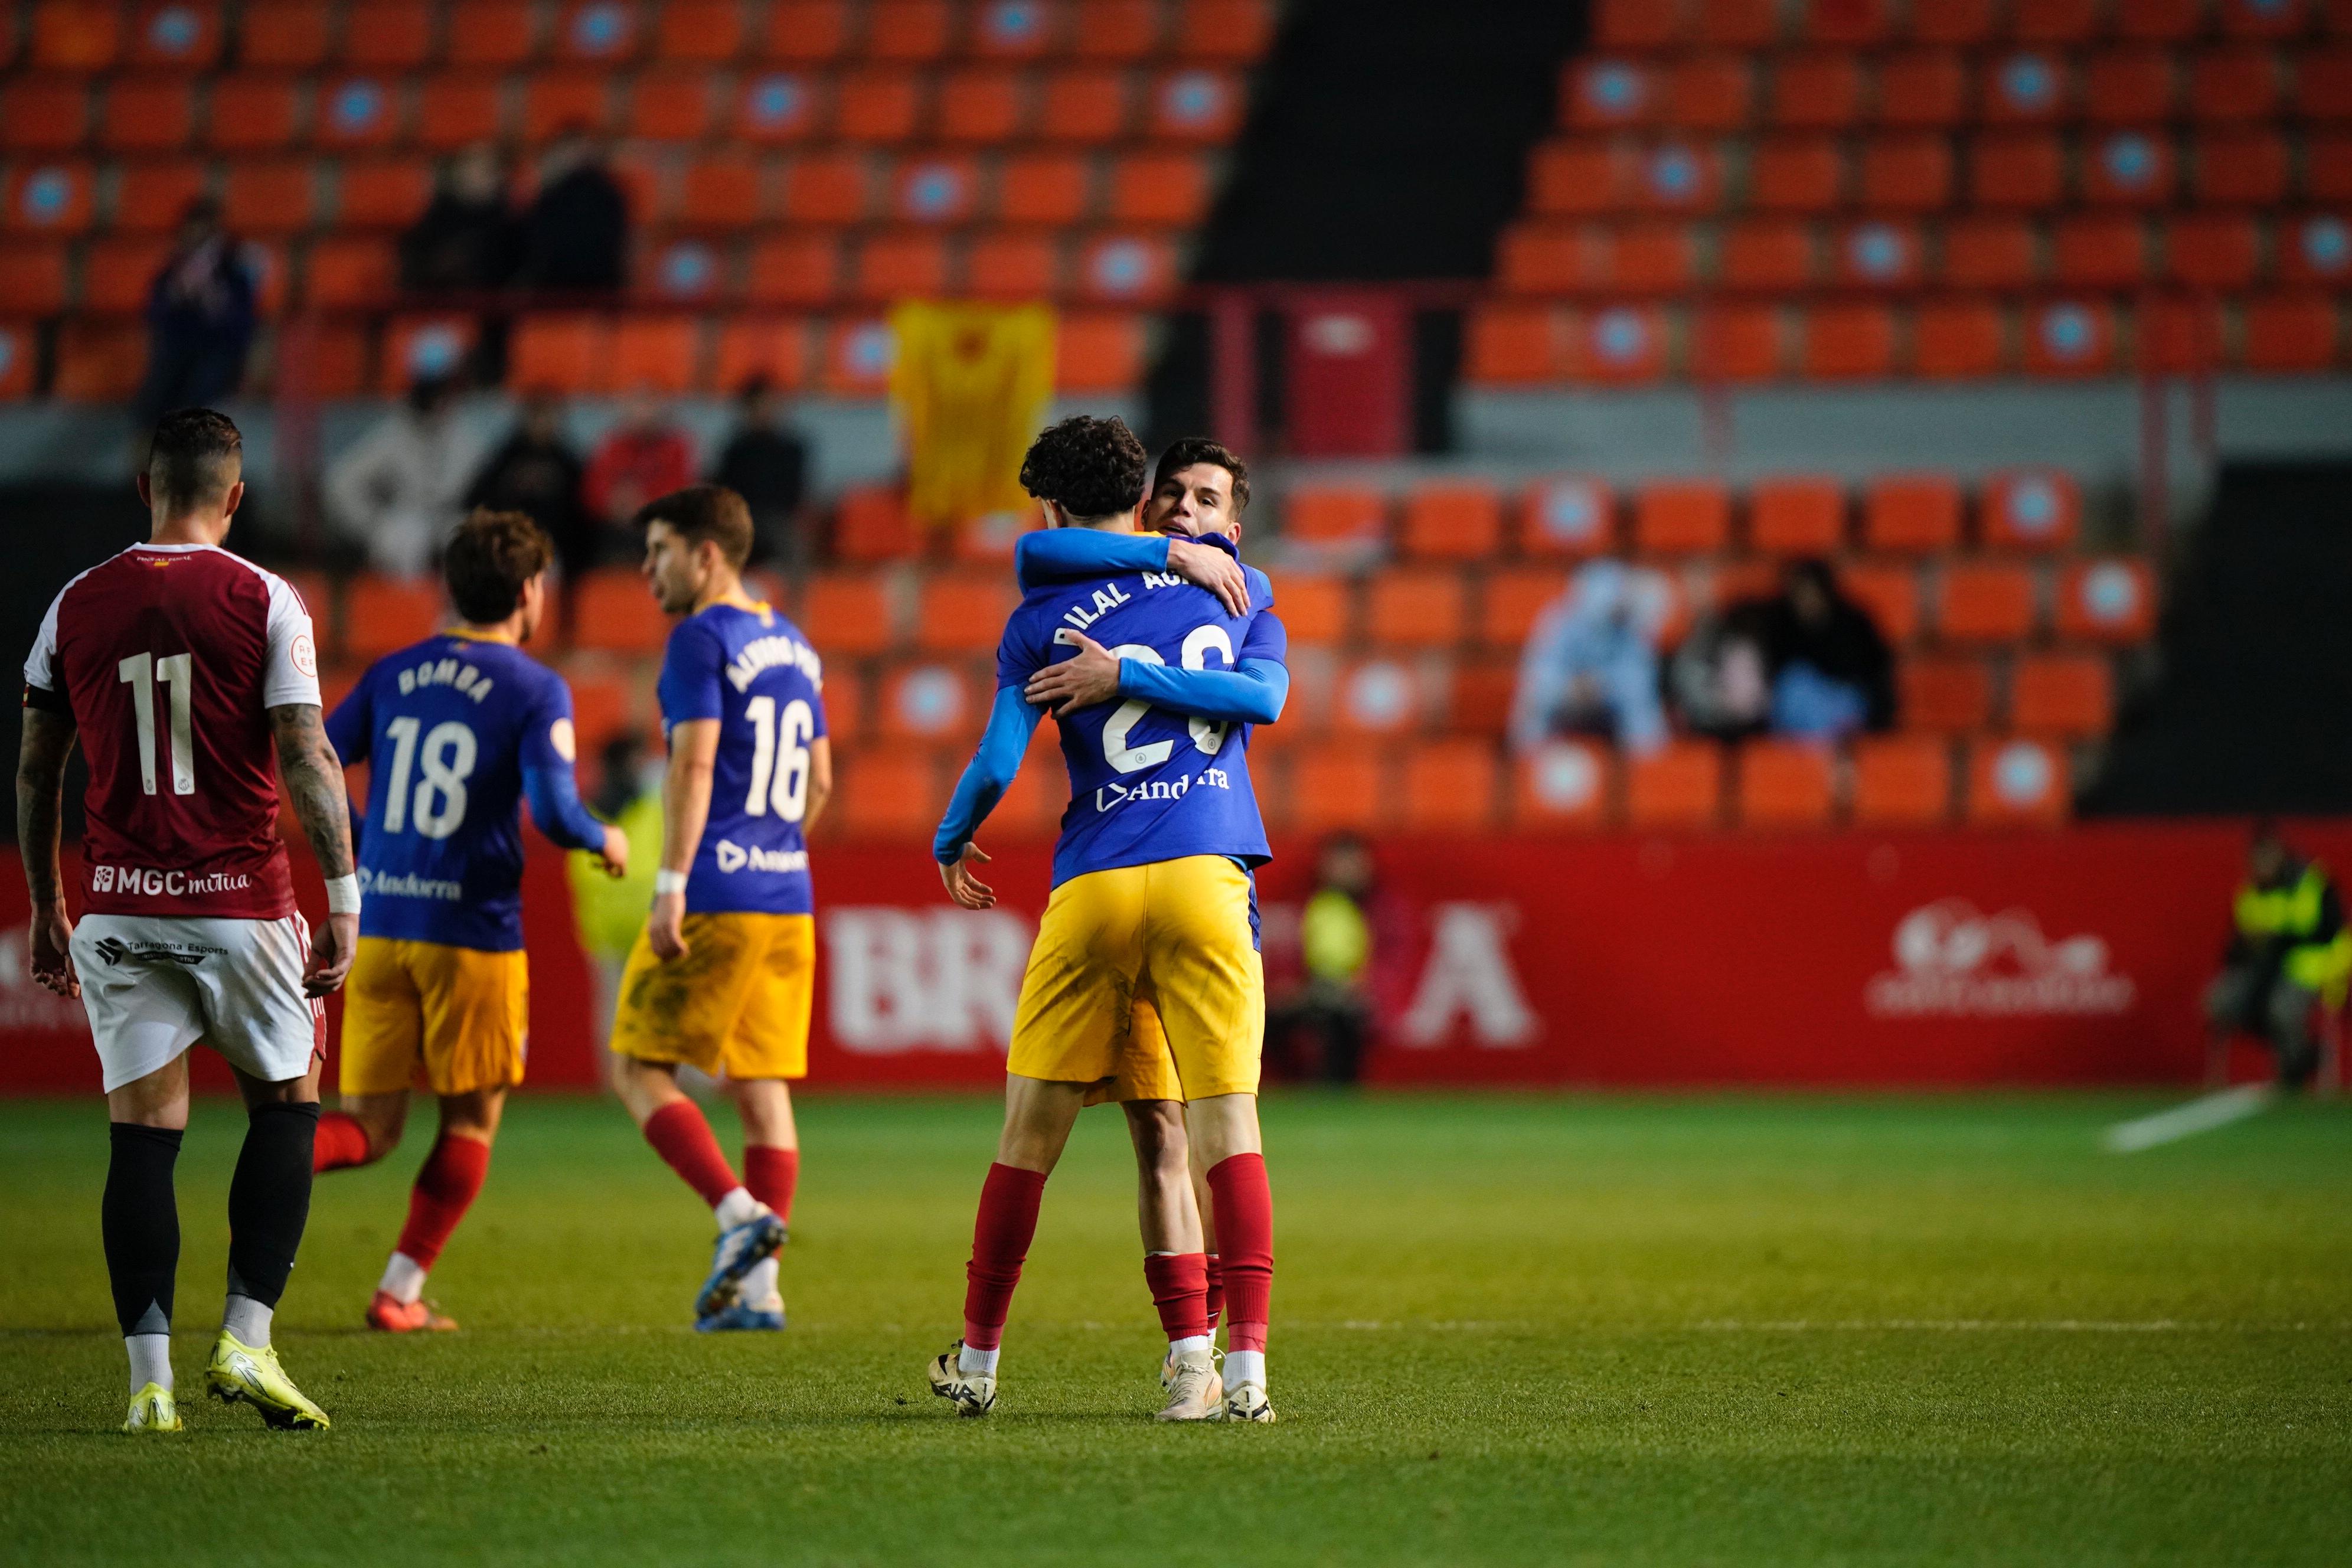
x=139 y=1217
x=268 y=1204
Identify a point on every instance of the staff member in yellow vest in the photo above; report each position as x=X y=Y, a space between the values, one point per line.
x=2290 y=955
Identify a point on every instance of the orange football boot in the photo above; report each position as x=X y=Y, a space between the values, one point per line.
x=395 y=1316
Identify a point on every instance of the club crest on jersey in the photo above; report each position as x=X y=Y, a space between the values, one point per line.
x=1108 y=597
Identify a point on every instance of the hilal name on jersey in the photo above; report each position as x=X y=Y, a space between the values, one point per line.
x=452 y=672
x=1112 y=794
x=767 y=653
x=1111 y=597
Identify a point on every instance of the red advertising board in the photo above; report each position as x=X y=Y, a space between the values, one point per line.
x=2069 y=957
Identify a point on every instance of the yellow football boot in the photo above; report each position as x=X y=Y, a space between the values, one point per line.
x=153 y=1410
x=240 y=1372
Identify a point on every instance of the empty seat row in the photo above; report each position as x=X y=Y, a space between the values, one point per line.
x=2203 y=249
x=273 y=113
x=190 y=34
x=293 y=196
x=1753 y=24
x=1939 y=89
x=1956 y=336
x=1918 y=172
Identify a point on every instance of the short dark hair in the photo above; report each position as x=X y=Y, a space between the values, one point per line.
x=1088 y=467
x=489 y=560
x=1191 y=451
x=194 y=455
x=705 y=511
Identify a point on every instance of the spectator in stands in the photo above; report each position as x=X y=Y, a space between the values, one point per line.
x=1340 y=934
x=1592 y=662
x=767 y=464
x=468 y=238
x=612 y=910
x=576 y=235
x=1832 y=672
x=398 y=492
x=200 y=316
x=1719 y=677
x=2290 y=953
x=536 y=473
x=642 y=457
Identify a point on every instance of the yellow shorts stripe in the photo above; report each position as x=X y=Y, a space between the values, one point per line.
x=1144 y=979
x=457 y=1018
x=737 y=1002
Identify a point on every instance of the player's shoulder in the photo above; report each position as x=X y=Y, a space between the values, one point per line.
x=1261 y=587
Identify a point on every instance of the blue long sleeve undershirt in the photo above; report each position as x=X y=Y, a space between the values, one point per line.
x=1251 y=694
x=1059 y=555
x=556 y=806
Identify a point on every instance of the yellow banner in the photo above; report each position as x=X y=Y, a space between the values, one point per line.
x=970 y=384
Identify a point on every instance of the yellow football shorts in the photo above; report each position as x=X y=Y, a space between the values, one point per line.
x=1145 y=1070
x=737 y=1002
x=1178 y=933
x=460 y=1013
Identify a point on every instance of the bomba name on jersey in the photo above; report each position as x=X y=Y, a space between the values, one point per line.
x=1111 y=794
x=768 y=652
x=163 y=884
x=452 y=672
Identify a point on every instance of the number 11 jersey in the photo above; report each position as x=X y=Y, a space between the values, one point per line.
x=751 y=670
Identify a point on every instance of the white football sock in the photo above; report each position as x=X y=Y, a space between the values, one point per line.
x=151 y=1360
x=738 y=1207
x=976 y=1362
x=1244 y=1366
x=1189 y=1343
x=403 y=1279
x=759 y=1285
x=248 y=1320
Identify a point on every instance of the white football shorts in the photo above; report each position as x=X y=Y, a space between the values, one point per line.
x=154 y=986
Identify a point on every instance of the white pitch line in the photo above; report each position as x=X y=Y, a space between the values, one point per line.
x=2200 y=1115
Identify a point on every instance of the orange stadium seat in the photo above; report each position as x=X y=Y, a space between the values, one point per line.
x=71 y=37
x=2070 y=337
x=557 y=101
x=18 y=354
x=338 y=363
x=2130 y=168
x=2313 y=250
x=269 y=198
x=383 y=614
x=1905 y=172
x=669 y=106
x=258 y=113
x=150 y=198
x=1339 y=788
x=2327 y=166
x=1916 y=514
x=699 y=32
x=1015 y=30
x=2128 y=86
x=2017 y=781
x=899 y=264
x=597 y=32
x=1923 y=89
x=890 y=795
x=773 y=350
x=1228 y=30
x=877 y=106
x=1511 y=344
x=354 y=112
x=1449 y=786
x=99 y=361
x=1194 y=106
x=1623 y=344
x=1155 y=188
x=1706 y=92
x=2233 y=84
x=1637 y=24
x=2159 y=21
x=1796 y=516
x=1880 y=253
x=1848 y=342
x=857 y=358
x=1451 y=520
x=1901 y=781
x=2291 y=332
x=870 y=524
x=2180 y=335
x=1951 y=21
x=1565 y=517
x=558 y=352
x=1889 y=592
x=846 y=614
x=1768 y=254
x=1098 y=351
x=494 y=32
x=388 y=35
x=1335 y=514
x=1416 y=609
x=661 y=353
x=1678 y=785
x=960 y=615
x=1084 y=106
x=808 y=32
x=2249 y=168
x=415 y=347
x=801 y=267
x=1014 y=266
x=2065 y=695
x=1737 y=343
x=2323 y=84
x=612 y=613
x=2268 y=18
x=776 y=108
x=1581 y=176
x=2028 y=87
x=1610 y=94
x=1847 y=23
x=1563 y=784
x=282 y=34
x=49 y=198
x=2099 y=250
x=146 y=114
x=345 y=271
x=722 y=193
x=2016 y=169
x=1682 y=517
x=1943 y=693
x=2109 y=601
x=1511 y=601
x=1043 y=188
x=2030 y=510
x=1785 y=784
x=455 y=111
x=909 y=32
x=43 y=116
x=1984 y=603
x=982 y=107
x=830 y=187
x=1314 y=608
x=33 y=279
x=1959 y=338
x=116 y=274
x=1476 y=700
x=1816 y=91
x=1738 y=24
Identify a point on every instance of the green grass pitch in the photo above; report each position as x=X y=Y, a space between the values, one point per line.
x=1729 y=1329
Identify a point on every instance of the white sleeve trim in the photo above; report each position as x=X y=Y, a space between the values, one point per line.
x=41 y=664
x=292 y=674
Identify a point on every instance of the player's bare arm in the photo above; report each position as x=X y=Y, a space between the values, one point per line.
x=685 y=807
x=40 y=791
x=314 y=779
x=820 y=782
x=615 y=855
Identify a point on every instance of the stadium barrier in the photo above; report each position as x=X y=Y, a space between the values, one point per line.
x=2073 y=956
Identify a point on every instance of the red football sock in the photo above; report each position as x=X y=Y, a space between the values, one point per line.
x=771 y=1174
x=1000 y=1244
x=1245 y=1237
x=342 y=1143
x=1217 y=1289
x=444 y=1190
x=680 y=1135
x=1179 y=1288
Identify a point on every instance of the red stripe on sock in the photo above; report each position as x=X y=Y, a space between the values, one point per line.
x=444 y=1190
x=1179 y=1288
x=680 y=1136
x=342 y=1143
x=1217 y=1289
x=771 y=1174
x=1007 y=1223
x=1244 y=1207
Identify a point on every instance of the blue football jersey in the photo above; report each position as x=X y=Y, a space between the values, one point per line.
x=752 y=671
x=1147 y=784
x=448 y=729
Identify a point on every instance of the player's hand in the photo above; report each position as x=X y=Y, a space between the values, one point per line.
x=332 y=947
x=1087 y=677
x=1213 y=569
x=52 y=950
x=963 y=887
x=615 y=853
x=665 y=927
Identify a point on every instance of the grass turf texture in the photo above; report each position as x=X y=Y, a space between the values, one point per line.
x=1525 y=1329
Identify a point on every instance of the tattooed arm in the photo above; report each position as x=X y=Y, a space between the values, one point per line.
x=40 y=789
x=314 y=777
